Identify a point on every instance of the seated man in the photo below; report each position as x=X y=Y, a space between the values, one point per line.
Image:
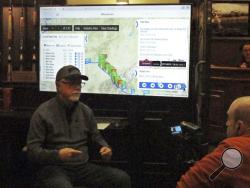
x=233 y=153
x=58 y=140
x=245 y=58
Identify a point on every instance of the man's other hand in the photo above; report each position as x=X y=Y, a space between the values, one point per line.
x=67 y=153
x=106 y=152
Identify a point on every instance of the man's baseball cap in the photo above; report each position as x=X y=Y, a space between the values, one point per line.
x=69 y=72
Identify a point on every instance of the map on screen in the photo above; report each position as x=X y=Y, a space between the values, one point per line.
x=130 y=50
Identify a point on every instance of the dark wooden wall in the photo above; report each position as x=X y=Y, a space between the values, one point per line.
x=226 y=84
x=226 y=80
x=226 y=52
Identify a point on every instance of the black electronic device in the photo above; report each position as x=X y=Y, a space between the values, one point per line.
x=190 y=125
x=176 y=130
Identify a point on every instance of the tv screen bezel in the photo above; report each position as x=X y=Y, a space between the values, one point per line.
x=156 y=103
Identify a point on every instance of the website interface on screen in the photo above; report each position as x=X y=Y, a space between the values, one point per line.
x=131 y=50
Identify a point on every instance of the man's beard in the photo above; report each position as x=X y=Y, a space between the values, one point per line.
x=75 y=97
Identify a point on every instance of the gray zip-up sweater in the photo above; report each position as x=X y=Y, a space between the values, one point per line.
x=51 y=129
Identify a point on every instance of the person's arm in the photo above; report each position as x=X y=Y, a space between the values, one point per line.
x=105 y=150
x=198 y=175
x=94 y=132
x=36 y=140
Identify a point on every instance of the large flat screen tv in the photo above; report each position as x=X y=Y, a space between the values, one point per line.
x=141 y=50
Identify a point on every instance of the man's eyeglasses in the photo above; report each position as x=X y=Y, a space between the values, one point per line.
x=73 y=83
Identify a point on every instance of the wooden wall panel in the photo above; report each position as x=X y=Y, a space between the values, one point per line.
x=226 y=52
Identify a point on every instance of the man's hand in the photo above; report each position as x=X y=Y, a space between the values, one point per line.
x=243 y=65
x=106 y=152
x=67 y=153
